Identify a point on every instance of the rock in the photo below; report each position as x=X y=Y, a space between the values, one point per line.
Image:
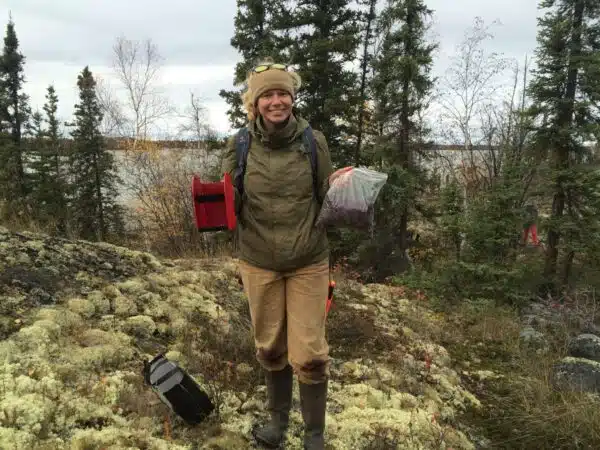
x=576 y=374
x=40 y=297
x=585 y=346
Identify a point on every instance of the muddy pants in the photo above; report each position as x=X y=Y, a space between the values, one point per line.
x=288 y=318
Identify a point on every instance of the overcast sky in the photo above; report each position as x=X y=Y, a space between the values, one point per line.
x=60 y=37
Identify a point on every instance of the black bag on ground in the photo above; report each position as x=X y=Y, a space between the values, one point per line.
x=178 y=390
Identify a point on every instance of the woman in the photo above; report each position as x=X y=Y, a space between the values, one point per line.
x=284 y=259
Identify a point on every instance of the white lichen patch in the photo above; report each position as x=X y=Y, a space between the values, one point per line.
x=111 y=291
x=162 y=280
x=189 y=304
x=357 y=427
x=125 y=306
x=120 y=438
x=68 y=320
x=140 y=326
x=14 y=438
x=154 y=306
x=36 y=339
x=100 y=301
x=586 y=362
x=70 y=372
x=133 y=286
x=108 y=351
x=32 y=412
x=108 y=389
x=81 y=306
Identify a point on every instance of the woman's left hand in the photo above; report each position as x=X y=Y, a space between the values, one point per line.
x=339 y=172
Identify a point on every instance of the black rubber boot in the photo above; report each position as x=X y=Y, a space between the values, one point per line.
x=313 y=402
x=279 y=394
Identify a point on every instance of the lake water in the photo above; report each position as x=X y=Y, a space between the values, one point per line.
x=172 y=163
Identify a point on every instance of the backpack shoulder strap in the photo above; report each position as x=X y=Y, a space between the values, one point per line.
x=242 y=146
x=310 y=142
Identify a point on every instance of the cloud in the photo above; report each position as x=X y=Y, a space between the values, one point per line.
x=186 y=31
x=60 y=37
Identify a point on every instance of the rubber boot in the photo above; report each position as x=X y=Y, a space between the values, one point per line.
x=313 y=402
x=279 y=395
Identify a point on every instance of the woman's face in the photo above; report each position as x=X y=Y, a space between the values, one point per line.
x=275 y=105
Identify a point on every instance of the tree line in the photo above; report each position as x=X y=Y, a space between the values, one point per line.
x=69 y=189
x=368 y=84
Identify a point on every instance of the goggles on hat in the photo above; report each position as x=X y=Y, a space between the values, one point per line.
x=265 y=67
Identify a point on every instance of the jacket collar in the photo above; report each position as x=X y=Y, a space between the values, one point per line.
x=277 y=138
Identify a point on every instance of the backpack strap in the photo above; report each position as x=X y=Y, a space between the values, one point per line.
x=310 y=142
x=242 y=145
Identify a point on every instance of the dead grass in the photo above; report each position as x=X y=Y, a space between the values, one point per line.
x=527 y=413
x=521 y=410
x=224 y=362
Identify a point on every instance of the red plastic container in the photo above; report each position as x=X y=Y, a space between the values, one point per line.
x=214 y=204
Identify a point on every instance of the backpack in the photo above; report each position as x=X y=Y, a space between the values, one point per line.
x=242 y=147
x=178 y=390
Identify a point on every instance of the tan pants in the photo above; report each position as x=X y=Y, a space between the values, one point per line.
x=288 y=318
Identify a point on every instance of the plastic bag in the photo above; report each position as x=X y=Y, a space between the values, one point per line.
x=350 y=200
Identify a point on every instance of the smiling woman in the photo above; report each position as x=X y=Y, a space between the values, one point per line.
x=284 y=258
x=263 y=81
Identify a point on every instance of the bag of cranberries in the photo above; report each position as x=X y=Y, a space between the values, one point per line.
x=350 y=200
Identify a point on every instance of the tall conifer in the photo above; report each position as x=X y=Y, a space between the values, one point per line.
x=95 y=210
x=14 y=113
x=565 y=92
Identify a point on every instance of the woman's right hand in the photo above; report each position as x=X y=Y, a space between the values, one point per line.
x=339 y=172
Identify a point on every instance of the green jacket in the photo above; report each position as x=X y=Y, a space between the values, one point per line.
x=275 y=228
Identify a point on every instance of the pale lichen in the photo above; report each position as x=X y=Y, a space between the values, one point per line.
x=134 y=286
x=69 y=321
x=81 y=306
x=124 y=306
x=70 y=372
x=100 y=301
x=140 y=326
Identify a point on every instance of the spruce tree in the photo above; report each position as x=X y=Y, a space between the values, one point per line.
x=324 y=39
x=401 y=85
x=49 y=182
x=95 y=211
x=255 y=38
x=14 y=113
x=565 y=92
x=369 y=20
x=38 y=164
